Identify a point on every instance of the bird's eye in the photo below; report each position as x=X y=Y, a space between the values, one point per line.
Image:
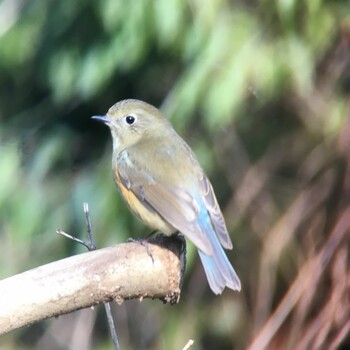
x=130 y=119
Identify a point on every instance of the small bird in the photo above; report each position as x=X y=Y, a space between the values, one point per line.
x=161 y=181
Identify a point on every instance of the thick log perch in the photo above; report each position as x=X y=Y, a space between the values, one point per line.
x=140 y=269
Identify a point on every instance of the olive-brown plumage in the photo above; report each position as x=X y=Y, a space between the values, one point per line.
x=163 y=184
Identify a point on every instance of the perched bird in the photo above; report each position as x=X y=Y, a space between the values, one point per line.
x=163 y=184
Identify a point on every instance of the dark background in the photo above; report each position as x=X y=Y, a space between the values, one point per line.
x=259 y=89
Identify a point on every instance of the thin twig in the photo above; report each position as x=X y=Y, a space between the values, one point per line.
x=61 y=232
x=90 y=245
x=111 y=326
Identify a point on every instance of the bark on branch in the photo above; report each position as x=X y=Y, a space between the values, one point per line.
x=147 y=269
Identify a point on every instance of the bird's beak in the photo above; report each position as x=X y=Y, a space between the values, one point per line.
x=102 y=118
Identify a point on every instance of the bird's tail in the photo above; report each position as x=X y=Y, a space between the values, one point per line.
x=217 y=267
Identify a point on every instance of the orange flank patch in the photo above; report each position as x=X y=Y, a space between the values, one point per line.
x=147 y=215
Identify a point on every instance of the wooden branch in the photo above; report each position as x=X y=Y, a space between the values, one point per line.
x=140 y=269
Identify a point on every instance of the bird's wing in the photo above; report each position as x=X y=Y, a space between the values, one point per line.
x=173 y=203
x=214 y=211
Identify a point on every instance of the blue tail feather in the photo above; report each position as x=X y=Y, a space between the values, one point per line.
x=218 y=269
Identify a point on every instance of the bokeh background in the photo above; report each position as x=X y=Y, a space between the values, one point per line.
x=259 y=89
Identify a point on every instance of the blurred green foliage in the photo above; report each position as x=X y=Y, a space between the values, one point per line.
x=256 y=88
